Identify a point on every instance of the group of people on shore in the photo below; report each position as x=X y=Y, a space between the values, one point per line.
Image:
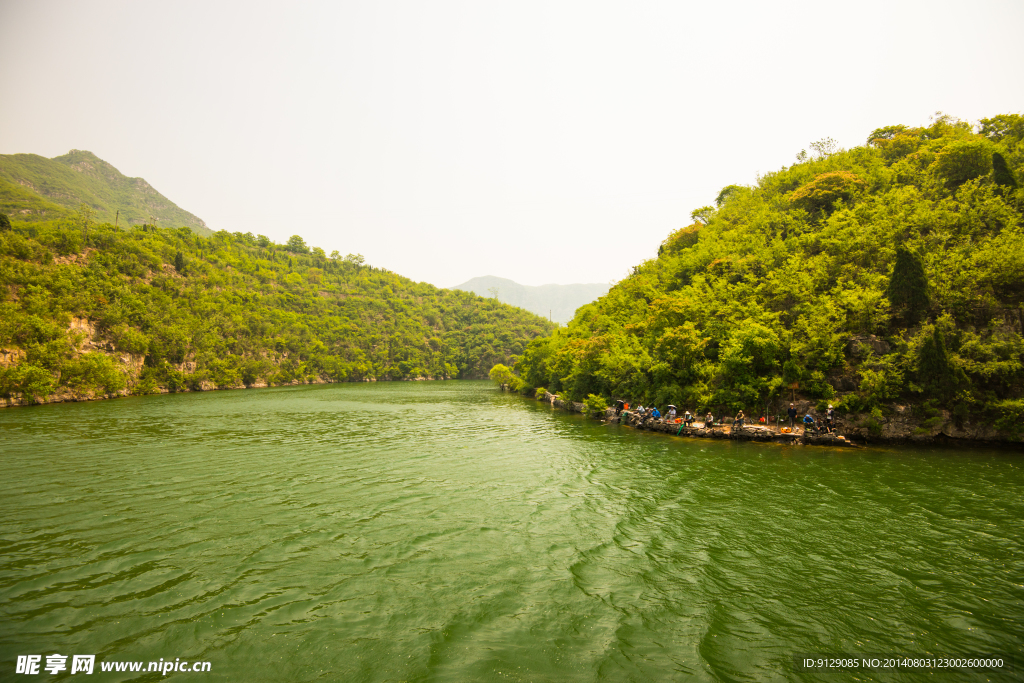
x=689 y=419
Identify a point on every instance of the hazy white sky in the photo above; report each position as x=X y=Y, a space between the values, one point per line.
x=542 y=142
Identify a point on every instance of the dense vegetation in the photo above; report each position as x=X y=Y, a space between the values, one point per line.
x=85 y=307
x=34 y=189
x=892 y=272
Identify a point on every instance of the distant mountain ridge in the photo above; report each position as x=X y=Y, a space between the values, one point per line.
x=35 y=189
x=560 y=301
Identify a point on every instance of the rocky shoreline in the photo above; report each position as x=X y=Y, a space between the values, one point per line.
x=901 y=427
x=69 y=396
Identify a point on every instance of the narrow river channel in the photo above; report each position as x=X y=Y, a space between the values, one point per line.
x=442 y=531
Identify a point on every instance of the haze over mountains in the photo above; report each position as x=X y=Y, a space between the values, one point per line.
x=34 y=189
x=560 y=301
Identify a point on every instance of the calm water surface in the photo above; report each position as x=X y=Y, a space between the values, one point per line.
x=446 y=532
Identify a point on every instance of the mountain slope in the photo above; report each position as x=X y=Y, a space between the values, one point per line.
x=887 y=279
x=88 y=310
x=558 y=301
x=35 y=189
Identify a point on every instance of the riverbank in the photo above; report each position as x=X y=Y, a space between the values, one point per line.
x=902 y=426
x=730 y=431
x=71 y=396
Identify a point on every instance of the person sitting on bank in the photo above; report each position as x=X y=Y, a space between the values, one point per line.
x=671 y=413
x=808 y=422
x=792 y=416
x=655 y=413
x=619 y=406
x=709 y=421
x=688 y=418
x=739 y=420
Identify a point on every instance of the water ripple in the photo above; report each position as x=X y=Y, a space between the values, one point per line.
x=444 y=531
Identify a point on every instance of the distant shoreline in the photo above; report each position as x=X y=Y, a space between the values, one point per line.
x=71 y=397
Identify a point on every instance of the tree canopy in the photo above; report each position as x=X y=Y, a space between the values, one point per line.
x=89 y=307
x=889 y=272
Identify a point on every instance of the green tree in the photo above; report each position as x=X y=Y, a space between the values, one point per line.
x=179 y=262
x=296 y=245
x=936 y=372
x=962 y=160
x=725 y=193
x=908 y=288
x=1001 y=173
x=594 y=406
x=822 y=193
x=5 y=222
x=703 y=214
x=502 y=376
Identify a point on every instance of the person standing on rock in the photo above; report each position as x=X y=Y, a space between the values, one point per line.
x=792 y=416
x=830 y=419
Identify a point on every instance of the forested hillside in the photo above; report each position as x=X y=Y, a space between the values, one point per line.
x=87 y=309
x=877 y=278
x=34 y=189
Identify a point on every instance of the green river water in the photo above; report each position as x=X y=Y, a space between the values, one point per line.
x=442 y=531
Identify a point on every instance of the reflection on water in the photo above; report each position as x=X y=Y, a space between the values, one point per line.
x=443 y=531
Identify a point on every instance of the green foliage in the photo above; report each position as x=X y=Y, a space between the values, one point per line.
x=296 y=245
x=725 y=193
x=31 y=381
x=5 y=223
x=501 y=375
x=237 y=314
x=1001 y=173
x=703 y=214
x=822 y=193
x=93 y=371
x=962 y=160
x=594 y=406
x=908 y=288
x=936 y=372
x=1009 y=417
x=1007 y=129
x=760 y=297
x=683 y=238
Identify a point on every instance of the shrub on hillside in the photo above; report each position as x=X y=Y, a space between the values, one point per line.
x=822 y=193
x=962 y=160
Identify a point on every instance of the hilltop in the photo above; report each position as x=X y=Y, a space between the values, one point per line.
x=35 y=189
x=558 y=301
x=887 y=280
x=87 y=311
